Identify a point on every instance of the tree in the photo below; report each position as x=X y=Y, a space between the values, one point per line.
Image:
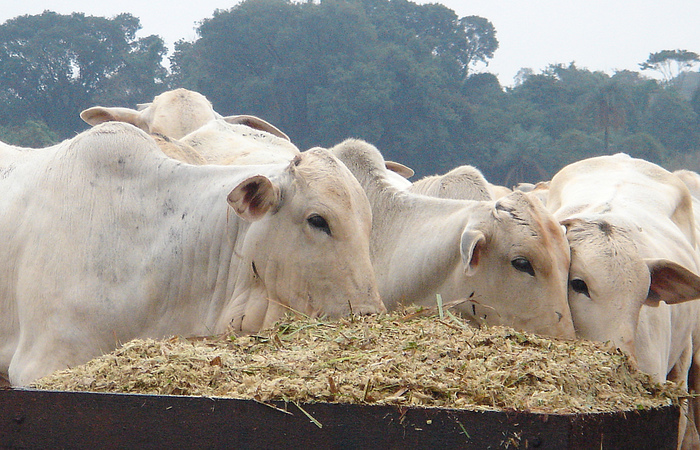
x=481 y=41
x=52 y=66
x=32 y=133
x=140 y=78
x=671 y=63
x=526 y=156
x=522 y=75
x=639 y=92
x=644 y=146
x=459 y=43
x=385 y=71
x=607 y=105
x=354 y=102
x=573 y=146
x=671 y=120
x=546 y=103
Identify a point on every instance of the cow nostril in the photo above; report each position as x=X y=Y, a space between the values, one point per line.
x=559 y=315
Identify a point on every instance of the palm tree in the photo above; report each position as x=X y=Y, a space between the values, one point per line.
x=608 y=105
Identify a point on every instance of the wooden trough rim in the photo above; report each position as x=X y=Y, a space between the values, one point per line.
x=41 y=419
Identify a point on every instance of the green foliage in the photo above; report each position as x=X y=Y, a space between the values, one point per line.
x=607 y=104
x=55 y=65
x=140 y=78
x=644 y=146
x=400 y=75
x=527 y=155
x=574 y=145
x=32 y=133
x=673 y=122
x=671 y=63
x=387 y=72
x=481 y=40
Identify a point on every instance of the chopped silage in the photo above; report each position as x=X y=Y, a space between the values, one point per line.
x=398 y=359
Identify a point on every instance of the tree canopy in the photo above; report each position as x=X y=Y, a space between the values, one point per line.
x=408 y=78
x=671 y=63
x=51 y=65
x=380 y=70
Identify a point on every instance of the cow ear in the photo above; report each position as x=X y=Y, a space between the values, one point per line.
x=257 y=124
x=99 y=114
x=472 y=246
x=254 y=197
x=671 y=283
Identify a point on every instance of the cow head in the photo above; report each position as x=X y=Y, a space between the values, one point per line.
x=516 y=259
x=173 y=113
x=609 y=281
x=307 y=248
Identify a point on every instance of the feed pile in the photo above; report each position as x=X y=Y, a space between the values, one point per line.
x=404 y=358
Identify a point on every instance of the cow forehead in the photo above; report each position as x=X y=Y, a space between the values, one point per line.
x=181 y=96
x=182 y=104
x=525 y=224
x=528 y=216
x=603 y=235
x=328 y=177
x=606 y=251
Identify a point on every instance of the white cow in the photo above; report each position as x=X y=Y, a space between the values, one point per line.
x=222 y=142
x=462 y=183
x=399 y=175
x=401 y=170
x=186 y=127
x=105 y=240
x=508 y=259
x=631 y=230
x=173 y=114
x=692 y=180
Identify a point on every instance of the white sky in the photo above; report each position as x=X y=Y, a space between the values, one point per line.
x=603 y=35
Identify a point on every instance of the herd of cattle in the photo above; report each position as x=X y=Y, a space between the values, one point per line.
x=172 y=219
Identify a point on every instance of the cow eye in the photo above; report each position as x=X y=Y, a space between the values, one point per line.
x=523 y=265
x=319 y=223
x=580 y=286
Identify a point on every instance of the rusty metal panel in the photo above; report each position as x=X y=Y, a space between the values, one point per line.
x=49 y=419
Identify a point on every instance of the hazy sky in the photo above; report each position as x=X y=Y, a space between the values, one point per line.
x=603 y=35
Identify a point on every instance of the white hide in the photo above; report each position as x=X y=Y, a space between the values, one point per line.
x=221 y=142
x=628 y=222
x=634 y=262
x=479 y=252
x=461 y=183
x=174 y=114
x=106 y=240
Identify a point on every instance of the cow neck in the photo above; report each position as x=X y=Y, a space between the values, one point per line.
x=219 y=274
x=415 y=242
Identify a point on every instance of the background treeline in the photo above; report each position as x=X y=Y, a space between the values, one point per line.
x=397 y=74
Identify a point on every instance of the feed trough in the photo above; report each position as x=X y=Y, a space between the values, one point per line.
x=393 y=381
x=52 y=419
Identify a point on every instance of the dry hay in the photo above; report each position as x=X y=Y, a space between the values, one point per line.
x=398 y=359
